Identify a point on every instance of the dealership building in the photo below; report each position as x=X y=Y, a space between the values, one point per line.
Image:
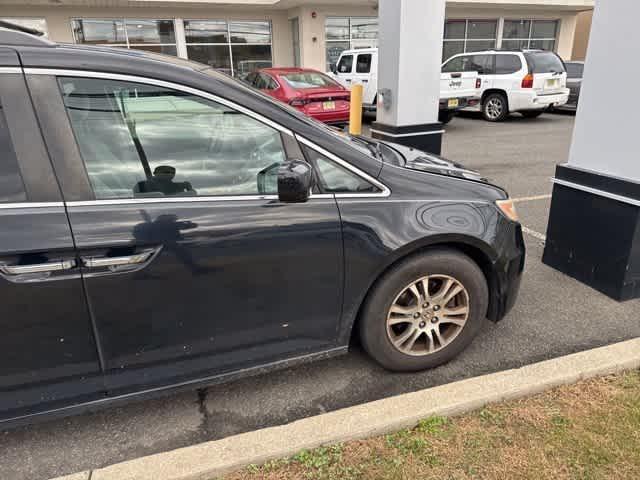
x=238 y=36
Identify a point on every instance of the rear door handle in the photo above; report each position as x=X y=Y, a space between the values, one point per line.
x=98 y=262
x=58 y=266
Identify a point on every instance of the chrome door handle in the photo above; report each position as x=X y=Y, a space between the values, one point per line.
x=97 y=262
x=38 y=267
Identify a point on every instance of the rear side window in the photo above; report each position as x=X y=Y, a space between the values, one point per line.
x=346 y=64
x=506 y=64
x=544 y=62
x=11 y=186
x=574 y=70
x=363 y=65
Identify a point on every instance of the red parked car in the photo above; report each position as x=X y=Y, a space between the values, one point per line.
x=313 y=93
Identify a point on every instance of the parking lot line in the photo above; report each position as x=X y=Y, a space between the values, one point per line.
x=534 y=234
x=530 y=199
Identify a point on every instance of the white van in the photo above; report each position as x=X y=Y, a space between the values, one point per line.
x=525 y=81
x=457 y=89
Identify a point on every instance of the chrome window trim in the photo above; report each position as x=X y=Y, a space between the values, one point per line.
x=137 y=201
x=10 y=206
x=10 y=70
x=385 y=191
x=159 y=83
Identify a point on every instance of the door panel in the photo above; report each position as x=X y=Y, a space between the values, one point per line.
x=48 y=355
x=234 y=284
x=191 y=265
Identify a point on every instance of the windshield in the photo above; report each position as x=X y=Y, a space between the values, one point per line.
x=302 y=80
x=544 y=62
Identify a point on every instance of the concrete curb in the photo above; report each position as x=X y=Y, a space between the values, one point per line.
x=208 y=460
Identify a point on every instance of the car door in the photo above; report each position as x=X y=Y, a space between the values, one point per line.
x=362 y=76
x=344 y=70
x=191 y=264
x=484 y=65
x=48 y=355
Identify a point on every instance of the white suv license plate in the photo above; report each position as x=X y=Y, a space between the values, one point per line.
x=553 y=83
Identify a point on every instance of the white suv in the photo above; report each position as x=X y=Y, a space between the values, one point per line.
x=525 y=81
x=458 y=89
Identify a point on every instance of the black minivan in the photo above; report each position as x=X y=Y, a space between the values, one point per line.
x=164 y=226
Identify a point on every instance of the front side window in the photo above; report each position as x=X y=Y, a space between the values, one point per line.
x=11 y=186
x=363 y=65
x=346 y=64
x=156 y=36
x=334 y=178
x=483 y=64
x=140 y=140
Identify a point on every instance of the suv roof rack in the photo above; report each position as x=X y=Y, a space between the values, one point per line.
x=17 y=35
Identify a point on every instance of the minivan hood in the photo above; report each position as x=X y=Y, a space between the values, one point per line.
x=428 y=162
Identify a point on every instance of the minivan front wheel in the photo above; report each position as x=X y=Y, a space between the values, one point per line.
x=495 y=107
x=425 y=311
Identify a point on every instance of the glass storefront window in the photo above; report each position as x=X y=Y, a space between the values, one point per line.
x=99 y=32
x=462 y=35
x=347 y=33
x=206 y=31
x=250 y=32
x=150 y=31
x=142 y=34
x=337 y=28
x=235 y=48
x=536 y=34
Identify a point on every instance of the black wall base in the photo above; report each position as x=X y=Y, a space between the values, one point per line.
x=426 y=137
x=594 y=231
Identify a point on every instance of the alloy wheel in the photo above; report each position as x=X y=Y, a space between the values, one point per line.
x=494 y=108
x=427 y=315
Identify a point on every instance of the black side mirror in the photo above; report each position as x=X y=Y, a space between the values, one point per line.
x=295 y=181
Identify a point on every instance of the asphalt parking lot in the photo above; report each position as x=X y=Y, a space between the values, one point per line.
x=555 y=315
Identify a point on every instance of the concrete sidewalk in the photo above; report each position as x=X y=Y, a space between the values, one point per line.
x=209 y=460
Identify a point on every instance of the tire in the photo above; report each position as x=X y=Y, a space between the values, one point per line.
x=445 y=116
x=495 y=107
x=532 y=113
x=377 y=335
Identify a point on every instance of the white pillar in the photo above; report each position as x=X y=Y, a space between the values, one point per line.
x=410 y=57
x=409 y=60
x=606 y=131
x=594 y=222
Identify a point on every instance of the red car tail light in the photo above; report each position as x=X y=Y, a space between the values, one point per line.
x=478 y=83
x=298 y=102
x=527 y=82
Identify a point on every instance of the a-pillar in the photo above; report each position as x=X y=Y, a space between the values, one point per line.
x=410 y=57
x=594 y=223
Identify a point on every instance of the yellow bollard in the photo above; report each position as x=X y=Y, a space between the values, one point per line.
x=355 y=114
